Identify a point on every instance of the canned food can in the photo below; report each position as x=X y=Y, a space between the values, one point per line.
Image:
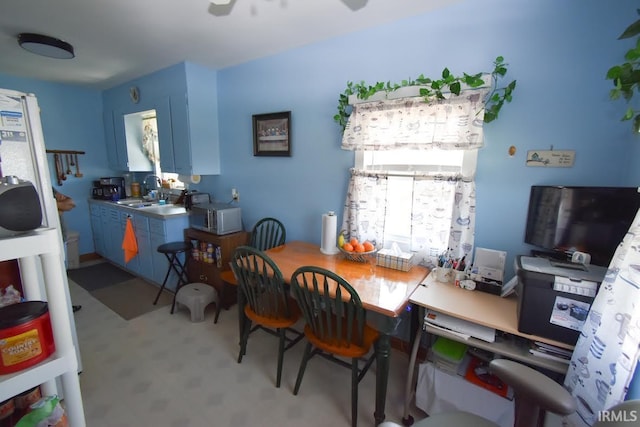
x=26 y=337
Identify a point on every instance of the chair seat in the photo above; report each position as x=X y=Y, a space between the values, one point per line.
x=174 y=247
x=279 y=322
x=227 y=276
x=343 y=349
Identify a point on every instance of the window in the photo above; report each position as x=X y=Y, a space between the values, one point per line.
x=401 y=165
x=413 y=179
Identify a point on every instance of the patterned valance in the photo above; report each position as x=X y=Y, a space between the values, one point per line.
x=411 y=123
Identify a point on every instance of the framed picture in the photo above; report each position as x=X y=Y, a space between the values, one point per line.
x=272 y=134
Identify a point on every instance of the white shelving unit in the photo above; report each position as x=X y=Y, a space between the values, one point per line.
x=42 y=247
x=40 y=255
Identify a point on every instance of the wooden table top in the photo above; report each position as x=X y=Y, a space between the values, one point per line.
x=381 y=289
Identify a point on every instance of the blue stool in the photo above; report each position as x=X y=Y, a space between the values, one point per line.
x=171 y=250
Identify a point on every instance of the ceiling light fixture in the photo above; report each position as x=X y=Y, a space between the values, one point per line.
x=220 y=2
x=46 y=46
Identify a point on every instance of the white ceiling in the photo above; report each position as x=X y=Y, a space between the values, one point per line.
x=117 y=40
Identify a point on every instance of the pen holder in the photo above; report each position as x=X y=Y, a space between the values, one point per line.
x=444 y=275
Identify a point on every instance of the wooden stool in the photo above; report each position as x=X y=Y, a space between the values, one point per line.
x=171 y=250
x=197 y=296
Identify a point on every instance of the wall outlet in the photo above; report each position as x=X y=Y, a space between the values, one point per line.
x=235 y=195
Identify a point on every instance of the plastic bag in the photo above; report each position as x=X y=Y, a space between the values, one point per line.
x=10 y=296
x=46 y=412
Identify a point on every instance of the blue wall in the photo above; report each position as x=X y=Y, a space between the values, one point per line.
x=71 y=120
x=559 y=53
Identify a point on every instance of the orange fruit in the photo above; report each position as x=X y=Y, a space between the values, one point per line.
x=359 y=247
x=348 y=247
x=368 y=246
x=354 y=242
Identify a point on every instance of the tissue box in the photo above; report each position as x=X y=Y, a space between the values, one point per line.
x=390 y=259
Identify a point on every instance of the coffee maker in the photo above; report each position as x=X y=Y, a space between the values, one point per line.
x=110 y=188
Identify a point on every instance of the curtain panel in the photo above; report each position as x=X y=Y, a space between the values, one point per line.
x=442 y=216
x=606 y=355
x=454 y=123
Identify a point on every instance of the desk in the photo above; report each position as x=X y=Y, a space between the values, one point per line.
x=384 y=293
x=481 y=308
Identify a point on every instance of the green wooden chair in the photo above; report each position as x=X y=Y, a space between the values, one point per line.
x=335 y=325
x=266 y=301
x=268 y=233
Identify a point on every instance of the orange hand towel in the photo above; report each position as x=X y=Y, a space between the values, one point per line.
x=129 y=243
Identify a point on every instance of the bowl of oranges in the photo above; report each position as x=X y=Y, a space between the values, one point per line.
x=354 y=250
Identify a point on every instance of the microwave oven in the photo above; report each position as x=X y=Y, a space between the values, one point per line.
x=216 y=218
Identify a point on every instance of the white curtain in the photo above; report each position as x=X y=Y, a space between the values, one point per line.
x=453 y=123
x=442 y=207
x=607 y=351
x=442 y=216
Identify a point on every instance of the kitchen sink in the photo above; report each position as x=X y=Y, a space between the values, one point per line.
x=137 y=203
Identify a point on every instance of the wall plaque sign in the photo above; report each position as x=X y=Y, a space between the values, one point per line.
x=551 y=158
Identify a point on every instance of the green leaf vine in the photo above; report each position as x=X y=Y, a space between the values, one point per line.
x=626 y=76
x=431 y=89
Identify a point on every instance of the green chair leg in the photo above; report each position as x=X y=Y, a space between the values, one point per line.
x=303 y=366
x=246 y=330
x=281 y=332
x=354 y=392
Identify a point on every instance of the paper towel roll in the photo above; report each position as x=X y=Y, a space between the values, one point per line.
x=329 y=227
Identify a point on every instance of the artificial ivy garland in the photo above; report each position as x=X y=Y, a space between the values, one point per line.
x=433 y=89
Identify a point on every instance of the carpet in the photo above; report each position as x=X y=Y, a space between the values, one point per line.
x=98 y=276
x=132 y=298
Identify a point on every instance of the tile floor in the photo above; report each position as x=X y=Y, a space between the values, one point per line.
x=162 y=370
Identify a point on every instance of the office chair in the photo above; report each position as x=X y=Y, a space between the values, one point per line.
x=335 y=325
x=268 y=304
x=534 y=395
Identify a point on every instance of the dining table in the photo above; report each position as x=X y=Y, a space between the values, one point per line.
x=384 y=293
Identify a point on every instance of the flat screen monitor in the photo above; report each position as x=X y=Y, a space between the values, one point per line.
x=562 y=220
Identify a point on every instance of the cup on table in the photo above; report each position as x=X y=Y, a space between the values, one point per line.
x=444 y=274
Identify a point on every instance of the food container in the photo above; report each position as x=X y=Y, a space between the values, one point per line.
x=7 y=410
x=135 y=189
x=24 y=400
x=26 y=337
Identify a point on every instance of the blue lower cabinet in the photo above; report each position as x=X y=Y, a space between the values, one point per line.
x=98 y=238
x=145 y=261
x=109 y=223
x=116 y=232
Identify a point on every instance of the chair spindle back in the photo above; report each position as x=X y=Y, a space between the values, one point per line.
x=261 y=282
x=331 y=306
x=268 y=233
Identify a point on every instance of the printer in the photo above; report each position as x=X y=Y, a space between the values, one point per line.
x=554 y=297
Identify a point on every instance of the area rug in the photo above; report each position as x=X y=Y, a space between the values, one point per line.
x=98 y=276
x=132 y=298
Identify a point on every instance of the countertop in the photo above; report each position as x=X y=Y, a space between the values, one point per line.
x=156 y=211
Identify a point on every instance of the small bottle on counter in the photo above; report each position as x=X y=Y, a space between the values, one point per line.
x=135 y=189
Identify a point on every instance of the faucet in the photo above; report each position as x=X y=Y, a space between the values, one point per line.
x=157 y=183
